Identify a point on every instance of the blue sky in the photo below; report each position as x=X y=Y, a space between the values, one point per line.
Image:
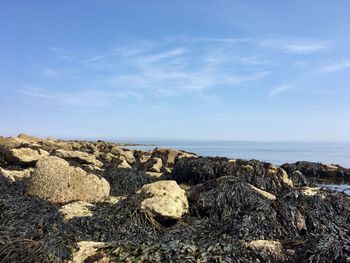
x=216 y=70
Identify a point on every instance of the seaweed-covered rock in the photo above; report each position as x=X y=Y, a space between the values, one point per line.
x=326 y=248
x=32 y=230
x=236 y=207
x=142 y=156
x=236 y=210
x=25 y=156
x=298 y=179
x=57 y=182
x=155 y=165
x=77 y=156
x=262 y=175
x=310 y=169
x=125 y=181
x=165 y=201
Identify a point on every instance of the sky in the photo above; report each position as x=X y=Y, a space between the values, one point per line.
x=159 y=69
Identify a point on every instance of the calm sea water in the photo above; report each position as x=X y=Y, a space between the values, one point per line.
x=274 y=152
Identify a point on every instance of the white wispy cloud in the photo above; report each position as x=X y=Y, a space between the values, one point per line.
x=173 y=66
x=82 y=98
x=93 y=59
x=190 y=68
x=297 y=46
x=49 y=72
x=334 y=67
x=280 y=89
x=63 y=53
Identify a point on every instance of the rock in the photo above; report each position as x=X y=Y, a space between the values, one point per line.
x=164 y=200
x=123 y=163
x=310 y=191
x=237 y=208
x=310 y=169
x=57 y=182
x=125 y=181
x=28 y=138
x=298 y=179
x=88 y=252
x=14 y=175
x=24 y=156
x=126 y=153
x=79 y=157
x=50 y=146
x=272 y=249
x=155 y=165
x=264 y=176
x=76 y=209
x=263 y=193
x=142 y=156
x=154 y=174
x=169 y=156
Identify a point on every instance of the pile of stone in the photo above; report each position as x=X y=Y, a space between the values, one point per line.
x=81 y=201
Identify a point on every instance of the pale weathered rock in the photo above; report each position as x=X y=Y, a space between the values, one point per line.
x=268 y=247
x=25 y=155
x=88 y=249
x=263 y=193
x=80 y=157
x=123 y=164
x=57 y=182
x=28 y=138
x=76 y=209
x=169 y=156
x=14 y=175
x=154 y=174
x=164 y=201
x=128 y=154
x=282 y=175
x=310 y=191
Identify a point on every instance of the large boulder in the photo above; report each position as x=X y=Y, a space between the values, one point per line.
x=164 y=201
x=262 y=175
x=79 y=157
x=24 y=156
x=56 y=181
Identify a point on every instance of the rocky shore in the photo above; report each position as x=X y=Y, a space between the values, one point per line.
x=80 y=201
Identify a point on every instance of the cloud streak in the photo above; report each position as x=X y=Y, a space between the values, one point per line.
x=83 y=98
x=169 y=67
x=342 y=65
x=297 y=46
x=278 y=90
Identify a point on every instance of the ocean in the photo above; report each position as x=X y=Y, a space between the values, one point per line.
x=273 y=152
